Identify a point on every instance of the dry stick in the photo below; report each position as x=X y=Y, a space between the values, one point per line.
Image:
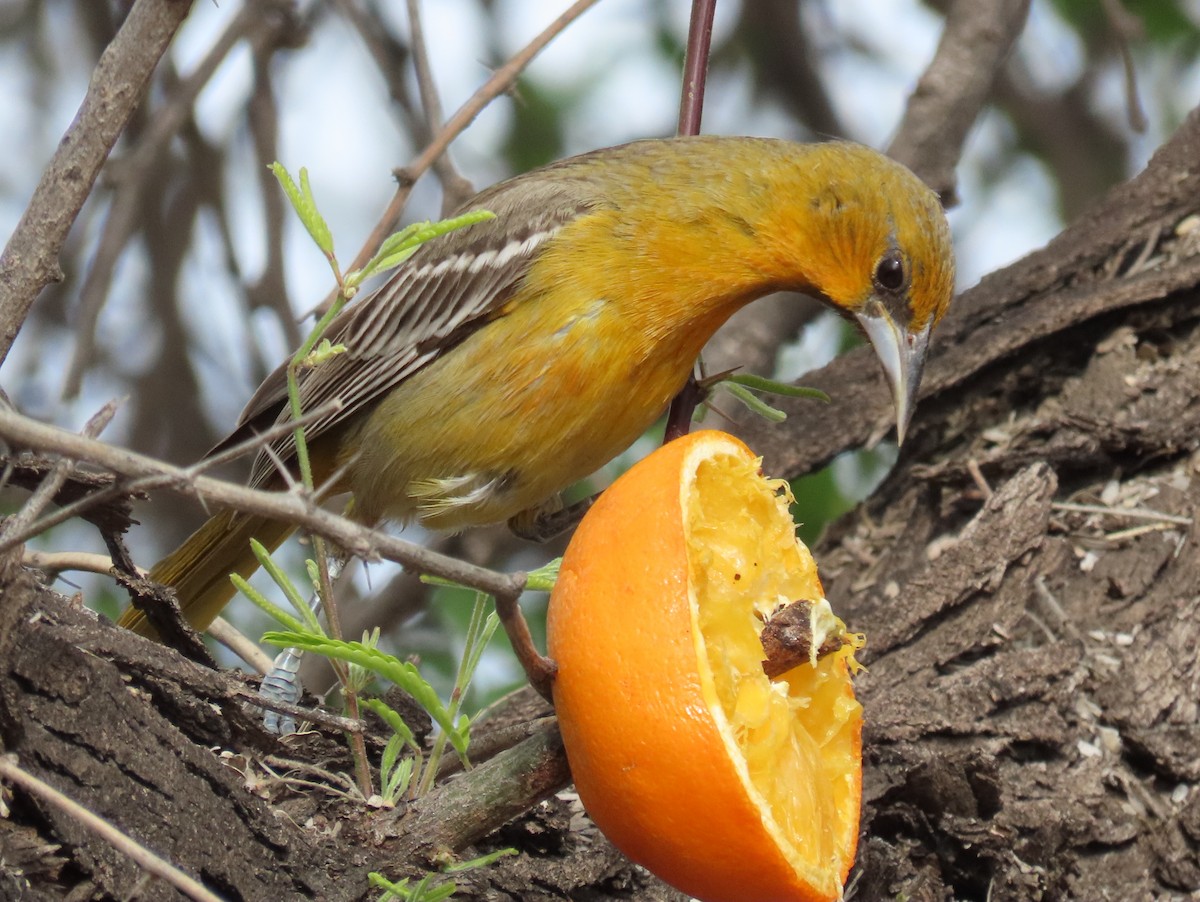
x=691 y=110
x=54 y=480
x=75 y=508
x=144 y=472
x=24 y=432
x=62 y=561
x=228 y=635
x=501 y=80
x=129 y=173
x=1127 y=27
x=30 y=259
x=122 y=842
x=347 y=725
x=455 y=188
x=974 y=45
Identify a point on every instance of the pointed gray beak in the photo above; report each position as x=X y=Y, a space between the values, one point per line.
x=902 y=354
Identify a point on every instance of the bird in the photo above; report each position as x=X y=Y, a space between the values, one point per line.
x=504 y=361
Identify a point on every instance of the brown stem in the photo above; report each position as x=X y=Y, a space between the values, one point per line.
x=538 y=668
x=695 y=66
x=691 y=111
x=683 y=407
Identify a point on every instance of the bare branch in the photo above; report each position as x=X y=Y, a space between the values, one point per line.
x=455 y=188
x=949 y=96
x=60 y=561
x=131 y=172
x=55 y=479
x=502 y=79
x=695 y=66
x=144 y=472
x=30 y=259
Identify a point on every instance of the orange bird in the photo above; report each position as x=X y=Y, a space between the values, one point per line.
x=507 y=360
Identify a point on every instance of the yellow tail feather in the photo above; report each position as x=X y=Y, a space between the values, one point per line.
x=198 y=570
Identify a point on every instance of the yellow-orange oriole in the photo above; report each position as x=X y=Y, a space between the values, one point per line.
x=507 y=360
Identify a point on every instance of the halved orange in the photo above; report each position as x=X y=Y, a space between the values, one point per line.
x=726 y=784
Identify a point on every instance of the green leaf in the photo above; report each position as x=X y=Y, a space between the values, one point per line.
x=305 y=206
x=755 y=403
x=260 y=601
x=480 y=862
x=286 y=586
x=399 y=246
x=391 y=890
x=395 y=773
x=322 y=352
x=544 y=577
x=771 y=386
x=403 y=673
x=392 y=718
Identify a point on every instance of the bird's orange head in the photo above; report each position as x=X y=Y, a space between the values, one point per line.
x=871 y=240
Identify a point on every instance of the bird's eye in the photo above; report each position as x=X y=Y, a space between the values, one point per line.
x=889 y=272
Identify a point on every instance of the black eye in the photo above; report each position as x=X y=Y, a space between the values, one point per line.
x=889 y=272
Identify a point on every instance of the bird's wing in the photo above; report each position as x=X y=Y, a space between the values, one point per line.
x=449 y=287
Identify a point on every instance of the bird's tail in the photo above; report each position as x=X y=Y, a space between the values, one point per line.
x=198 y=570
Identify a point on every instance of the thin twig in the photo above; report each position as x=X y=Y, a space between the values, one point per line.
x=980 y=480
x=143 y=472
x=313 y=715
x=1127 y=27
x=61 y=561
x=122 y=842
x=455 y=188
x=691 y=110
x=30 y=259
x=974 y=45
x=332 y=780
x=233 y=639
x=260 y=441
x=54 y=480
x=1132 y=513
x=695 y=66
x=501 y=80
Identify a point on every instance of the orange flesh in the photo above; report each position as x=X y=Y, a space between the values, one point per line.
x=794 y=740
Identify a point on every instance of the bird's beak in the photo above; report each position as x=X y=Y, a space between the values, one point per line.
x=902 y=354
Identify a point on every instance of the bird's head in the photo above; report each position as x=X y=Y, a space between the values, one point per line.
x=872 y=242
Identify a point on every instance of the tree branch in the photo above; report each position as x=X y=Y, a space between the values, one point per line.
x=30 y=259
x=977 y=40
x=144 y=472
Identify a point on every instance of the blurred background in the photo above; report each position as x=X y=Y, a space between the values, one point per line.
x=187 y=280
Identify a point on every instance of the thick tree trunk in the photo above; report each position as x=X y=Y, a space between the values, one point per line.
x=1028 y=577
